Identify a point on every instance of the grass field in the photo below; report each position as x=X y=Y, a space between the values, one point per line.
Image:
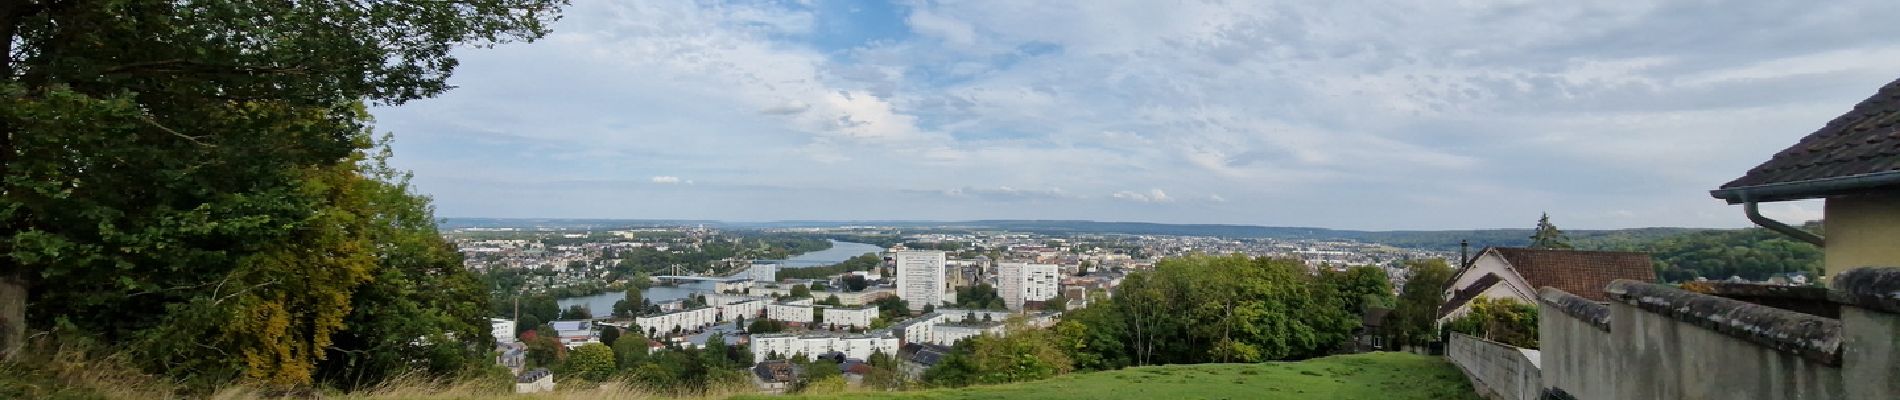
x=1395 y=376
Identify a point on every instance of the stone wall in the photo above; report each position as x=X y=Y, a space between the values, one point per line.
x=1497 y=370
x=1660 y=342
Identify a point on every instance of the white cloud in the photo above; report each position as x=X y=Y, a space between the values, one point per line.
x=1151 y=196
x=1614 y=113
x=666 y=179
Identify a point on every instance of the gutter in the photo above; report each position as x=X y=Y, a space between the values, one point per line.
x=1808 y=189
x=1754 y=215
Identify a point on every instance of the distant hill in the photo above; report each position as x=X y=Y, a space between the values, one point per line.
x=1430 y=240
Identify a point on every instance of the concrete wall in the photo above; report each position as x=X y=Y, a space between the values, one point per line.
x=1497 y=370
x=1862 y=230
x=1659 y=342
x=1659 y=357
x=1573 y=336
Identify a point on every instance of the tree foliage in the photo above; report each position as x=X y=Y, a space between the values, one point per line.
x=1752 y=253
x=1503 y=320
x=189 y=180
x=981 y=296
x=1413 y=320
x=1200 y=309
x=1022 y=355
x=1547 y=236
x=592 y=361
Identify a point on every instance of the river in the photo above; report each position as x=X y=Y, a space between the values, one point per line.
x=602 y=305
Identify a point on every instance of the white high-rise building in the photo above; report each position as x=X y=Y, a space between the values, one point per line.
x=1022 y=282
x=920 y=279
x=763 y=272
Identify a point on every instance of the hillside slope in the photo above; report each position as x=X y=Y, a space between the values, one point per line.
x=1394 y=376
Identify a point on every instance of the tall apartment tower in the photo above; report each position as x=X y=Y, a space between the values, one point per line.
x=1020 y=283
x=920 y=278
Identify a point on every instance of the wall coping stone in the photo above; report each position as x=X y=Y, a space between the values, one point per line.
x=1594 y=313
x=1761 y=290
x=1814 y=338
x=1874 y=288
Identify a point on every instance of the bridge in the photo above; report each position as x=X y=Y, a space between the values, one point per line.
x=683 y=278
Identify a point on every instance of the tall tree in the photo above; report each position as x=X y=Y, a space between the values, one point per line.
x=1413 y=320
x=1547 y=236
x=180 y=177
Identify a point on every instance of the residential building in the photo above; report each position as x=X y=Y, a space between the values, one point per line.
x=502 y=329
x=790 y=311
x=775 y=376
x=855 y=317
x=575 y=333
x=655 y=326
x=1021 y=283
x=1517 y=273
x=764 y=271
x=920 y=277
x=1853 y=163
x=859 y=346
x=535 y=381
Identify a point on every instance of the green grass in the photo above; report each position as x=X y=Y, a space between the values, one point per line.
x=1395 y=376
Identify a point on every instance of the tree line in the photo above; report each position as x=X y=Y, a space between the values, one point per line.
x=187 y=183
x=1203 y=309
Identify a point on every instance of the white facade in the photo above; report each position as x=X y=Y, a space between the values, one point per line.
x=853 y=346
x=852 y=317
x=688 y=320
x=920 y=279
x=947 y=326
x=1018 y=283
x=748 y=309
x=1509 y=285
x=763 y=272
x=799 y=311
x=503 y=329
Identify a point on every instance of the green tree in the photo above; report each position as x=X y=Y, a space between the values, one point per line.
x=1547 y=236
x=1412 y=320
x=181 y=177
x=1359 y=287
x=592 y=361
x=980 y=297
x=855 y=283
x=608 y=335
x=1506 y=321
x=577 y=311
x=800 y=291
x=630 y=350
x=633 y=304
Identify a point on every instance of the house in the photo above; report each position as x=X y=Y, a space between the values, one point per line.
x=1517 y=273
x=919 y=357
x=775 y=376
x=1371 y=333
x=535 y=381
x=576 y=333
x=1853 y=163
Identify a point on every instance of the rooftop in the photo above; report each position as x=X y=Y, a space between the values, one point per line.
x=1856 y=151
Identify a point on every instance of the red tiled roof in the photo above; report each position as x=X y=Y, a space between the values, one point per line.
x=1582 y=273
x=1865 y=141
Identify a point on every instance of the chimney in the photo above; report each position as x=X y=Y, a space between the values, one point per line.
x=1464 y=252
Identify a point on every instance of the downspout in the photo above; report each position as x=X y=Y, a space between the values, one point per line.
x=1754 y=215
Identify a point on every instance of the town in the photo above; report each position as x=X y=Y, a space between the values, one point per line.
x=904 y=304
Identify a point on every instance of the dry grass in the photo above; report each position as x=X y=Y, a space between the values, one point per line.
x=68 y=373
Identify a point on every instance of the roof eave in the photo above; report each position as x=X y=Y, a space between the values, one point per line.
x=1808 y=189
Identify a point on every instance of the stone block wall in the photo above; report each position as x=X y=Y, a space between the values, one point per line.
x=1497 y=370
x=1660 y=342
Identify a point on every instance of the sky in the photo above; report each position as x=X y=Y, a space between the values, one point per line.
x=1342 y=114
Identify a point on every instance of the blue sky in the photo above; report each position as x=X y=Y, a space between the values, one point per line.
x=1347 y=114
